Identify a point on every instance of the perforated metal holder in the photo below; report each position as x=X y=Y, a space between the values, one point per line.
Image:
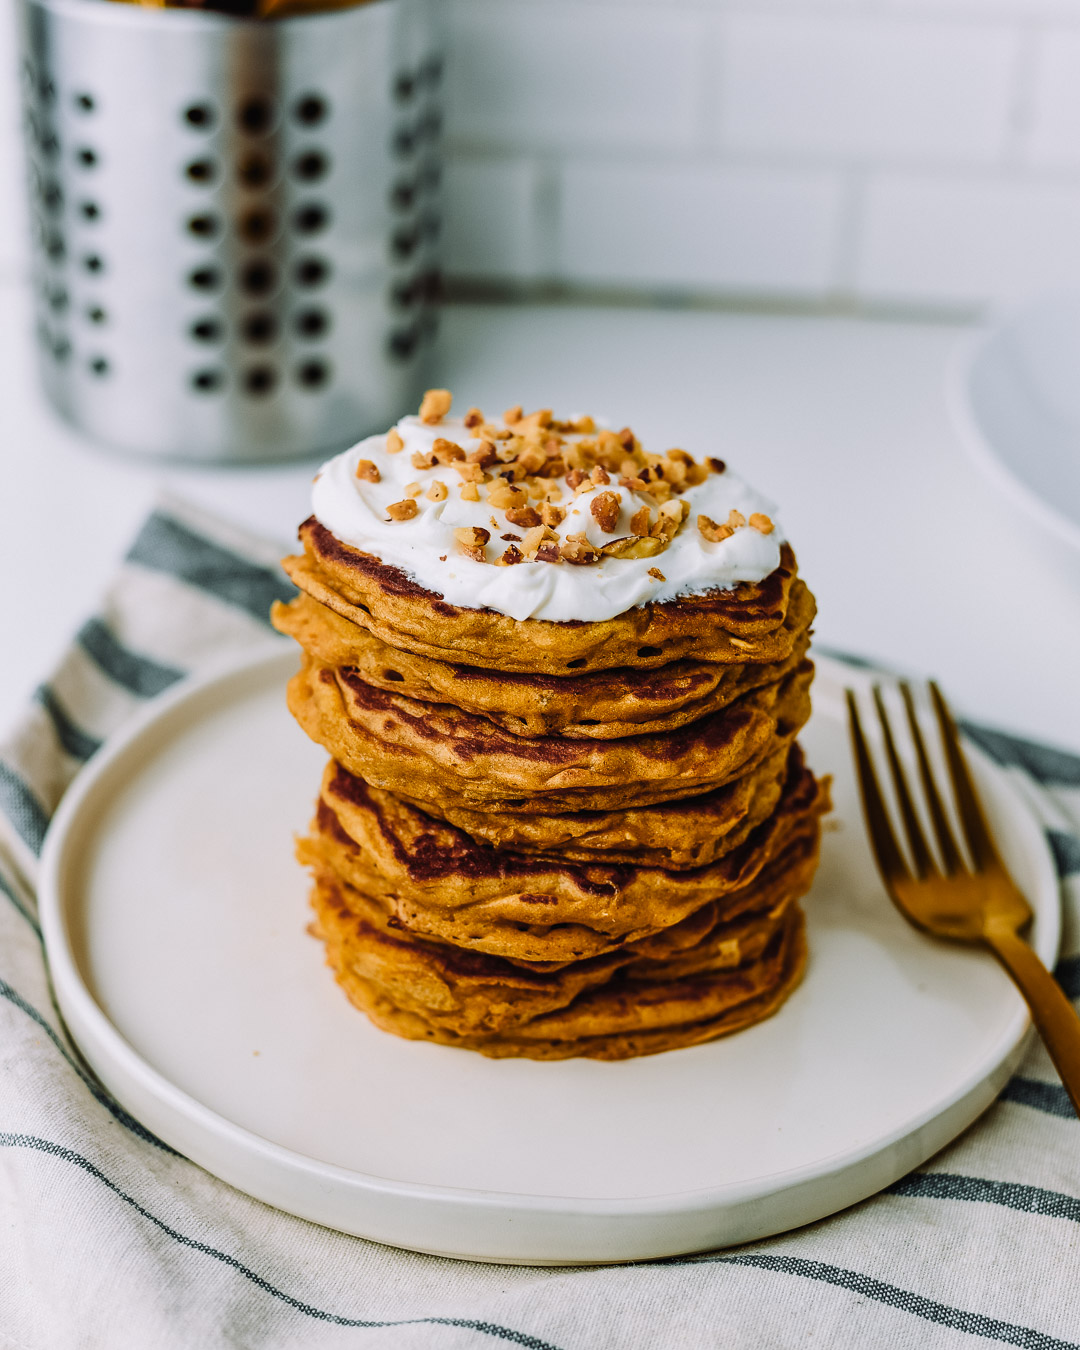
x=235 y=222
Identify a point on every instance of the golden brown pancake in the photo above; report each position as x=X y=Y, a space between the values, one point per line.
x=435 y=753
x=428 y=991
x=743 y=624
x=600 y=705
x=440 y=883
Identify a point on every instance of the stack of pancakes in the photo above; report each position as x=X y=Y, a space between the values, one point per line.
x=549 y=839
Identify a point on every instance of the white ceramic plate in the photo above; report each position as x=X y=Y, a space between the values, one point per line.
x=175 y=921
x=1016 y=395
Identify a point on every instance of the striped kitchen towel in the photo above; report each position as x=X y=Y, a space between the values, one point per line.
x=111 y=1241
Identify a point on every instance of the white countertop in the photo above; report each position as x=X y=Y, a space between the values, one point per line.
x=843 y=422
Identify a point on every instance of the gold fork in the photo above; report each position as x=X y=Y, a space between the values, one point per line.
x=976 y=904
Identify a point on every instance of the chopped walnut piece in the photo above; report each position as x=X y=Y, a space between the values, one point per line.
x=437 y=492
x=633 y=484
x=532 y=459
x=469 y=492
x=423 y=459
x=713 y=532
x=474 y=417
x=760 y=521
x=471 y=540
x=576 y=549
x=548 y=552
x=640 y=521
x=445 y=452
x=575 y=478
x=412 y=489
x=470 y=473
x=626 y=438
x=669 y=519
x=657 y=574
x=514 y=538
x=632 y=546
x=402 y=510
x=504 y=495
x=680 y=457
x=717 y=465
x=605 y=508
x=599 y=476
x=512 y=555
x=584 y=426
x=484 y=454
x=512 y=415
x=435 y=406
x=552 y=515
x=736 y=519
x=368 y=471
x=535 y=538
x=525 y=516
x=394 y=443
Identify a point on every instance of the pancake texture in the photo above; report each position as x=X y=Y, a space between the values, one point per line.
x=548 y=838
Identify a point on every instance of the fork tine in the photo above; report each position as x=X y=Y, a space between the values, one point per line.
x=976 y=830
x=950 y=854
x=890 y=860
x=924 y=862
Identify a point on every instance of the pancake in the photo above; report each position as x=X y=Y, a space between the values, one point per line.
x=427 y=991
x=742 y=624
x=672 y=835
x=602 y=705
x=436 y=753
x=440 y=883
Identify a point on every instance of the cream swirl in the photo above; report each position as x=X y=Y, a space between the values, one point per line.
x=425 y=546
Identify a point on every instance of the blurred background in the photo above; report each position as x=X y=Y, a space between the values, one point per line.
x=915 y=155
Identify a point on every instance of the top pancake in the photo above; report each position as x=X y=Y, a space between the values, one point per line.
x=599 y=705
x=744 y=624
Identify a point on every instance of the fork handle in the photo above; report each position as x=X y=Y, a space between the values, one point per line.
x=1053 y=1014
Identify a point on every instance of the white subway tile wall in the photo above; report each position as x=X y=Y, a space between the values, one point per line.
x=912 y=153
x=920 y=154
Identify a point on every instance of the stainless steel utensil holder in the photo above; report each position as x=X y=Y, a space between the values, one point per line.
x=236 y=222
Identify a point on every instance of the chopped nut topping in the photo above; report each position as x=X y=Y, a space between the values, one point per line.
x=512 y=555
x=437 y=492
x=713 y=532
x=548 y=553
x=512 y=415
x=471 y=540
x=435 y=406
x=504 y=495
x=394 y=443
x=633 y=484
x=626 y=438
x=474 y=417
x=717 y=465
x=484 y=454
x=535 y=538
x=599 y=476
x=605 y=507
x=470 y=473
x=412 y=489
x=515 y=537
x=760 y=521
x=630 y=546
x=640 y=521
x=402 y=510
x=577 y=549
x=368 y=471
x=575 y=478
x=445 y=452
x=469 y=492
x=552 y=515
x=525 y=516
x=423 y=459
x=657 y=574
x=736 y=519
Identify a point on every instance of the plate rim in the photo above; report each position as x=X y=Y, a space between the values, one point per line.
x=86 y=1019
x=979 y=446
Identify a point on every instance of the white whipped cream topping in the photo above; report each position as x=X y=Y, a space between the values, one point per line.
x=354 y=510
